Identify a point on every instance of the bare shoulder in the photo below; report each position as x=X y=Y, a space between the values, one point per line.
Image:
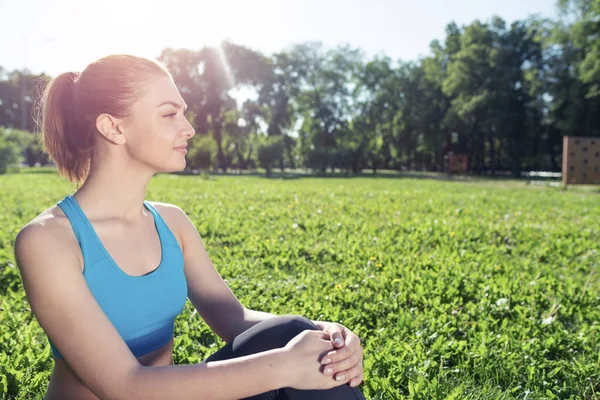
x=167 y=209
x=50 y=231
x=48 y=256
x=179 y=222
x=172 y=214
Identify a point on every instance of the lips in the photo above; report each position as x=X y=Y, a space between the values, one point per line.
x=181 y=149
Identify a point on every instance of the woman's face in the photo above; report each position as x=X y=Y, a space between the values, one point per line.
x=157 y=129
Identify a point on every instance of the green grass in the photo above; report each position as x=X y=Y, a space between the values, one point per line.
x=459 y=290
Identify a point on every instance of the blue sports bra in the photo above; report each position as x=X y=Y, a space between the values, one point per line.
x=142 y=308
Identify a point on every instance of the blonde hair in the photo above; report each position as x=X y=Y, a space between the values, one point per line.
x=72 y=102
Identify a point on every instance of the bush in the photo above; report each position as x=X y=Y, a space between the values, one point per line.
x=202 y=153
x=10 y=155
x=270 y=150
x=319 y=158
x=29 y=146
x=34 y=152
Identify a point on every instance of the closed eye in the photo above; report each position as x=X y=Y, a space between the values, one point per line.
x=171 y=115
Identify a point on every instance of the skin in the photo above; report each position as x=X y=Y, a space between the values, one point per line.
x=143 y=144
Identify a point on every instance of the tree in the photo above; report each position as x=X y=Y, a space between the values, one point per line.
x=584 y=33
x=9 y=153
x=19 y=91
x=325 y=101
x=269 y=151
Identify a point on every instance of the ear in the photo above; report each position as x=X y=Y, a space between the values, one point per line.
x=110 y=128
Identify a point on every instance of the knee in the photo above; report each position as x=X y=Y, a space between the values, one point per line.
x=295 y=322
x=288 y=326
x=269 y=334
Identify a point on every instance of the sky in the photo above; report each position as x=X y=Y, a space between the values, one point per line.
x=55 y=36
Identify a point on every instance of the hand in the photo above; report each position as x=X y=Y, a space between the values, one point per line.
x=304 y=353
x=345 y=361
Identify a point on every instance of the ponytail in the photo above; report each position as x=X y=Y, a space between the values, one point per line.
x=67 y=145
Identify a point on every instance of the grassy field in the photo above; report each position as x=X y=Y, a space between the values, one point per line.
x=459 y=290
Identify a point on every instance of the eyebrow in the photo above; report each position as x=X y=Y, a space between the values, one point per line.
x=173 y=103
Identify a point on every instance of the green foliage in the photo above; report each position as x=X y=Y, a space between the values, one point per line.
x=506 y=93
x=10 y=155
x=503 y=94
x=17 y=146
x=320 y=158
x=484 y=290
x=270 y=150
x=201 y=153
x=19 y=91
x=585 y=36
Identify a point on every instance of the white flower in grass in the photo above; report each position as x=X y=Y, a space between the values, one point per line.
x=501 y=302
x=548 y=320
x=294 y=226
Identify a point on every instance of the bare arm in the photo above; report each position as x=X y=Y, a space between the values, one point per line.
x=224 y=313
x=207 y=290
x=67 y=311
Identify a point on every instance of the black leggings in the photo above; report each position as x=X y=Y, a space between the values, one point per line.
x=275 y=333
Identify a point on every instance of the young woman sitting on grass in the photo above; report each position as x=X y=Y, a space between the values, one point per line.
x=107 y=272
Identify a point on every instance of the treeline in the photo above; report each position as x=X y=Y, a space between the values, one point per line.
x=505 y=95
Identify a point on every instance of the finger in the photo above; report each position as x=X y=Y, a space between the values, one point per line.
x=346 y=376
x=344 y=365
x=341 y=353
x=319 y=334
x=324 y=340
x=336 y=355
x=356 y=381
x=323 y=337
x=352 y=341
x=337 y=338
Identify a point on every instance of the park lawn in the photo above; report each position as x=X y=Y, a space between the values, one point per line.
x=458 y=290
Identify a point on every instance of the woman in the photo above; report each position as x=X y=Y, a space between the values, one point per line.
x=106 y=272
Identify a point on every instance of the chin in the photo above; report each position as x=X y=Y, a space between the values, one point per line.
x=173 y=168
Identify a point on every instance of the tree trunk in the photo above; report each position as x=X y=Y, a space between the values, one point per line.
x=219 y=139
x=492 y=155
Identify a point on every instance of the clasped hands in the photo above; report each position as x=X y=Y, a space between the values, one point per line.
x=344 y=363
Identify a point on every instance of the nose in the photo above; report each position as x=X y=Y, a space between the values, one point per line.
x=188 y=130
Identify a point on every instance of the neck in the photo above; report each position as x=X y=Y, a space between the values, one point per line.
x=115 y=189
